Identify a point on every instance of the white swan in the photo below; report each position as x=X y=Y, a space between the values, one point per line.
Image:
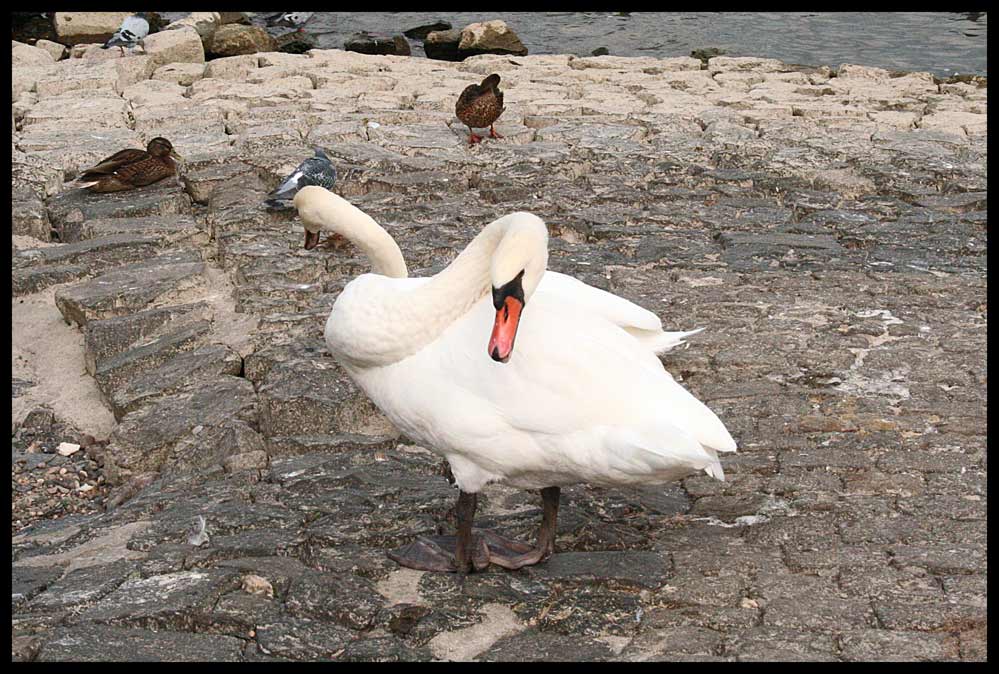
x=583 y=399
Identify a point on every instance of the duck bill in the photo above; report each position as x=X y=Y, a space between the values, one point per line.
x=505 y=329
x=311 y=239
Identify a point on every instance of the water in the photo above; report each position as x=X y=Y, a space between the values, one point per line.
x=944 y=43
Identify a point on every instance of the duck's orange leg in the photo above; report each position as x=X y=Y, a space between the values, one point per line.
x=492 y=132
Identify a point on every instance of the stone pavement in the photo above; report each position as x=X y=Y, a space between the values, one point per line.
x=827 y=228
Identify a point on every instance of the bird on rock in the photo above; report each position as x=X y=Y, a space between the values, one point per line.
x=289 y=19
x=479 y=106
x=131 y=168
x=316 y=170
x=130 y=33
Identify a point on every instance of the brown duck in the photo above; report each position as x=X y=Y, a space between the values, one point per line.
x=128 y=169
x=479 y=106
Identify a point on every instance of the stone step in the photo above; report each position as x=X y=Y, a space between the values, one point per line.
x=294 y=294
x=28 y=216
x=103 y=251
x=191 y=430
x=170 y=229
x=114 y=374
x=38 y=268
x=133 y=287
x=315 y=396
x=32 y=279
x=284 y=323
x=202 y=181
x=176 y=373
x=744 y=251
x=69 y=210
x=106 y=338
x=295 y=445
x=244 y=249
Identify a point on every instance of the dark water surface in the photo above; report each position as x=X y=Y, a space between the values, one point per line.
x=944 y=43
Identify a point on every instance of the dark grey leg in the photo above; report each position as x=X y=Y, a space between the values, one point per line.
x=462 y=553
x=512 y=554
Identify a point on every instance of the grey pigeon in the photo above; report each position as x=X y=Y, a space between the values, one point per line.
x=290 y=19
x=132 y=30
x=317 y=170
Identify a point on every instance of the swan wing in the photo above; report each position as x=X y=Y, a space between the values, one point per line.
x=640 y=323
x=572 y=371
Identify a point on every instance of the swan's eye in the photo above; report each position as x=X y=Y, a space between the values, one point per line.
x=514 y=288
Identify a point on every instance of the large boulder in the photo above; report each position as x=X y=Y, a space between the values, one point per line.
x=232 y=67
x=421 y=32
x=79 y=27
x=368 y=43
x=296 y=42
x=175 y=46
x=490 y=37
x=235 y=39
x=442 y=45
x=26 y=55
x=206 y=23
x=54 y=49
x=235 y=17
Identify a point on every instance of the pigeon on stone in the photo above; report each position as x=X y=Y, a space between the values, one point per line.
x=289 y=19
x=131 y=32
x=316 y=170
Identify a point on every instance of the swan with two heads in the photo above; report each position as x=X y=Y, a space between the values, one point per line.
x=514 y=374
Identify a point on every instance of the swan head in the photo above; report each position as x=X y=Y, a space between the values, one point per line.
x=318 y=209
x=518 y=263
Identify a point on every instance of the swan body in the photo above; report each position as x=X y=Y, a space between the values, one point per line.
x=581 y=397
x=555 y=414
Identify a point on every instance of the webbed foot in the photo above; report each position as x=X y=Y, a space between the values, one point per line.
x=477 y=549
x=439 y=553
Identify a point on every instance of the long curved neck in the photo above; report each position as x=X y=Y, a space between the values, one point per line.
x=452 y=291
x=420 y=315
x=382 y=250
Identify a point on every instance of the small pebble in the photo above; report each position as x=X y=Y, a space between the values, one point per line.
x=67 y=448
x=257 y=585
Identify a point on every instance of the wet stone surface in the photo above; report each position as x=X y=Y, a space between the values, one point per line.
x=828 y=232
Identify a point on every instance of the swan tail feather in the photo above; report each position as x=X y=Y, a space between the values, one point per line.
x=658 y=341
x=666 y=451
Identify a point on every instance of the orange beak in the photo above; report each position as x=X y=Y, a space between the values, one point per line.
x=505 y=329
